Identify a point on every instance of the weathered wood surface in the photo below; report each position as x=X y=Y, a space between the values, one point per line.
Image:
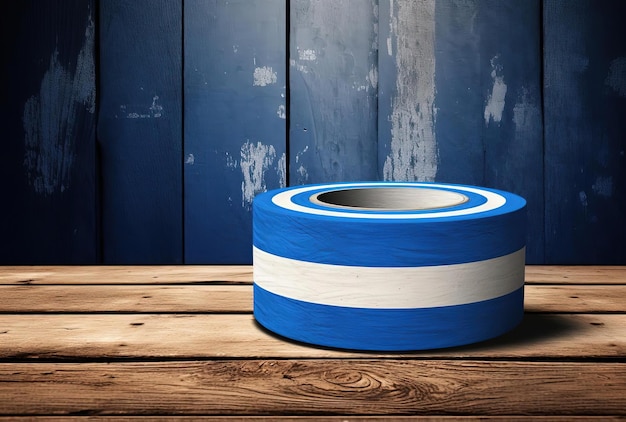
x=234 y=121
x=190 y=336
x=237 y=298
x=140 y=131
x=112 y=274
x=364 y=386
x=48 y=132
x=181 y=341
x=584 y=106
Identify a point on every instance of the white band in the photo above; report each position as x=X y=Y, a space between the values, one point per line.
x=284 y=200
x=391 y=288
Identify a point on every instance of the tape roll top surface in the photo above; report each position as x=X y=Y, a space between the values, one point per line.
x=388 y=266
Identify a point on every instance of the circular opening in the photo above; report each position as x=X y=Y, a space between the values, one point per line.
x=390 y=198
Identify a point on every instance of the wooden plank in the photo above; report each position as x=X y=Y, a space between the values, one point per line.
x=576 y=298
x=315 y=387
x=112 y=274
x=232 y=298
x=235 y=113
x=460 y=98
x=47 y=115
x=581 y=274
x=510 y=86
x=584 y=102
x=135 y=299
x=333 y=91
x=140 y=131
x=407 y=136
x=189 y=336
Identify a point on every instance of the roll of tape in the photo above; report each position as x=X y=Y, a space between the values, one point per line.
x=388 y=266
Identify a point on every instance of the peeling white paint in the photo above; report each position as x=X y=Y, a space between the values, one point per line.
x=616 y=77
x=603 y=186
x=391 y=29
x=303 y=173
x=299 y=154
x=281 y=170
x=413 y=147
x=190 y=159
x=135 y=111
x=256 y=159
x=264 y=76
x=299 y=67
x=231 y=162
x=281 y=112
x=307 y=54
x=372 y=77
x=496 y=100
x=49 y=118
x=375 y=25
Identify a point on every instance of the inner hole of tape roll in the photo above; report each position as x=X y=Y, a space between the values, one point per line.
x=390 y=198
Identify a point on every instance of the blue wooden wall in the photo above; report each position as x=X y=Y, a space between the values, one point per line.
x=201 y=104
x=585 y=131
x=48 y=132
x=235 y=109
x=140 y=131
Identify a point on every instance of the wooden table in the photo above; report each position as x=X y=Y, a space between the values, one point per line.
x=181 y=341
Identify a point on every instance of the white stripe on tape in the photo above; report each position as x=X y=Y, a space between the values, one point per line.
x=392 y=288
x=494 y=201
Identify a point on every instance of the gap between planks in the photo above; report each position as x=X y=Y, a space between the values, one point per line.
x=184 y=274
x=325 y=418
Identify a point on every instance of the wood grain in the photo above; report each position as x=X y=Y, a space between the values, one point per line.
x=333 y=91
x=310 y=387
x=235 y=108
x=575 y=274
x=175 y=274
x=48 y=121
x=111 y=274
x=140 y=131
x=237 y=298
x=584 y=108
x=189 y=336
x=126 y=298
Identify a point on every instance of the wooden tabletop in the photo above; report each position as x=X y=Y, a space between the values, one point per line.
x=181 y=341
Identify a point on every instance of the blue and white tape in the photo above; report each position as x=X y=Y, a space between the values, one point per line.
x=388 y=266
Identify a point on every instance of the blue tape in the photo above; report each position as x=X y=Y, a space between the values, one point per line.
x=388 y=329
x=471 y=239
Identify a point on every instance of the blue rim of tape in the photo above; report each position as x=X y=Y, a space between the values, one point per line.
x=408 y=242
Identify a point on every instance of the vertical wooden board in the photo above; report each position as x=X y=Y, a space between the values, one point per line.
x=47 y=115
x=585 y=131
x=235 y=114
x=459 y=68
x=140 y=131
x=407 y=148
x=510 y=87
x=445 y=111
x=333 y=91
